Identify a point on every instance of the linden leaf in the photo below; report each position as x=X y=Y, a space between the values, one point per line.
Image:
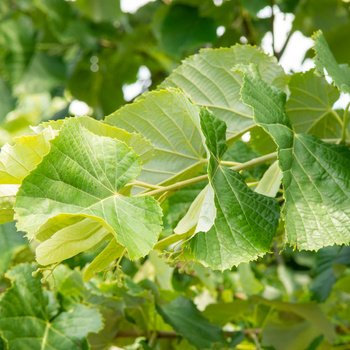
x=82 y=175
x=316 y=175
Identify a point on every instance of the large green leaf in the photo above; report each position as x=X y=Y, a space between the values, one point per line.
x=30 y=317
x=77 y=183
x=209 y=81
x=187 y=321
x=309 y=106
x=324 y=59
x=245 y=221
x=316 y=175
x=171 y=123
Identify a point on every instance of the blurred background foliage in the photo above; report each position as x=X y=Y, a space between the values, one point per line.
x=54 y=53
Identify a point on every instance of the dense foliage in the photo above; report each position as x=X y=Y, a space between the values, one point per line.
x=158 y=227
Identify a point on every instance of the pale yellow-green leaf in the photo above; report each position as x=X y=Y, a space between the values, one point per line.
x=200 y=215
x=140 y=145
x=271 y=181
x=70 y=240
x=17 y=161
x=112 y=252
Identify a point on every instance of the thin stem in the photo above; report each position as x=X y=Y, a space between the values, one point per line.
x=345 y=121
x=121 y=257
x=175 y=186
x=256 y=161
x=145 y=185
x=247 y=165
x=229 y=163
x=173 y=335
x=347 y=142
x=280 y=53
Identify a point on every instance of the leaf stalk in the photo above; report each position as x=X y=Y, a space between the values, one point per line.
x=243 y=166
x=345 y=121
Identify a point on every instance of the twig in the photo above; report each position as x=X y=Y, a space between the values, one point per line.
x=247 y=165
x=345 y=122
x=173 y=335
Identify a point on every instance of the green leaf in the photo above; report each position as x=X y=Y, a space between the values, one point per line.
x=171 y=123
x=11 y=242
x=80 y=179
x=280 y=335
x=316 y=175
x=30 y=318
x=324 y=59
x=208 y=80
x=183 y=28
x=8 y=102
x=223 y=313
x=245 y=221
x=309 y=311
x=101 y=10
x=18 y=40
x=44 y=73
x=188 y=322
x=270 y=182
x=310 y=103
x=325 y=276
x=112 y=252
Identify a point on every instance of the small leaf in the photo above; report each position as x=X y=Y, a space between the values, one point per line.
x=70 y=240
x=324 y=59
x=11 y=241
x=112 y=252
x=270 y=182
x=308 y=311
x=188 y=322
x=310 y=103
x=17 y=161
x=200 y=215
